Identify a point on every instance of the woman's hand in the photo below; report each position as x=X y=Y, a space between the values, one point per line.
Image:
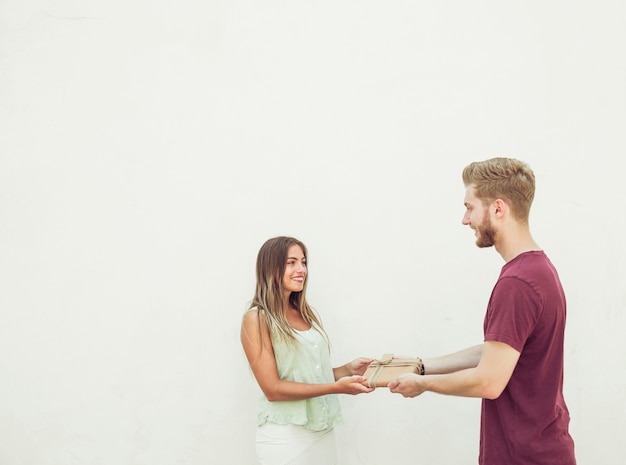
x=355 y=367
x=352 y=385
x=358 y=365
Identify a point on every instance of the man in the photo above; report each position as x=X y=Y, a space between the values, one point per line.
x=518 y=370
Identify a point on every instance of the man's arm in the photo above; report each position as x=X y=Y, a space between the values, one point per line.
x=486 y=380
x=467 y=358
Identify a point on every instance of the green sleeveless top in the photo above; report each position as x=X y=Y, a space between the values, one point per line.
x=307 y=361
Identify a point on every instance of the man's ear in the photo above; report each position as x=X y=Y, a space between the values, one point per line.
x=499 y=208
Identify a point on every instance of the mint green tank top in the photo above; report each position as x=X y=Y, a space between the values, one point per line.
x=308 y=361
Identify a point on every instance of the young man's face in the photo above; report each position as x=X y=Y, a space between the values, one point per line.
x=477 y=217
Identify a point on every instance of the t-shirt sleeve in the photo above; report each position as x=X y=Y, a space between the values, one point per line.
x=512 y=314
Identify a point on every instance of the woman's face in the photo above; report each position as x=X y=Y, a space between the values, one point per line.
x=295 y=270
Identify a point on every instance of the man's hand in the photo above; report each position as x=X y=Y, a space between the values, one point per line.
x=409 y=385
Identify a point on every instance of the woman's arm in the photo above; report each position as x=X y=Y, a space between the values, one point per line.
x=257 y=346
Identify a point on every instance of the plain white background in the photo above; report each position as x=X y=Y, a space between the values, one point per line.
x=149 y=148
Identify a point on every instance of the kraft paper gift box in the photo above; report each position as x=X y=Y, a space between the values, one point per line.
x=380 y=372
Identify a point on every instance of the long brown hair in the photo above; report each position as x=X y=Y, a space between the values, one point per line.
x=268 y=297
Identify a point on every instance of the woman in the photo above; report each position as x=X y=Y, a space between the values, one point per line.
x=289 y=355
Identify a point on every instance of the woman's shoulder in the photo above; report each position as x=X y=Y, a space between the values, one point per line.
x=254 y=314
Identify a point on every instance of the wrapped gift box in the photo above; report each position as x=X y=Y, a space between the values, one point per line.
x=380 y=372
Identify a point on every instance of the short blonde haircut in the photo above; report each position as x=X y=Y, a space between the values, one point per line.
x=503 y=178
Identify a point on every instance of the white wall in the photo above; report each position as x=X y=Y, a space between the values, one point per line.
x=148 y=148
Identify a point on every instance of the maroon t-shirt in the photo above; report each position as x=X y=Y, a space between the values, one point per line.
x=528 y=424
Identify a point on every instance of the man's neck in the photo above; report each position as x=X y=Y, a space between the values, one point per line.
x=515 y=244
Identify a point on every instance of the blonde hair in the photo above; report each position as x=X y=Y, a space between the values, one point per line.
x=503 y=178
x=268 y=297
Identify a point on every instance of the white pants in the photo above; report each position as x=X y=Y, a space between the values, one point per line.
x=295 y=445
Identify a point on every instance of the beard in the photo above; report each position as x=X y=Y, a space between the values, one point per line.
x=486 y=234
